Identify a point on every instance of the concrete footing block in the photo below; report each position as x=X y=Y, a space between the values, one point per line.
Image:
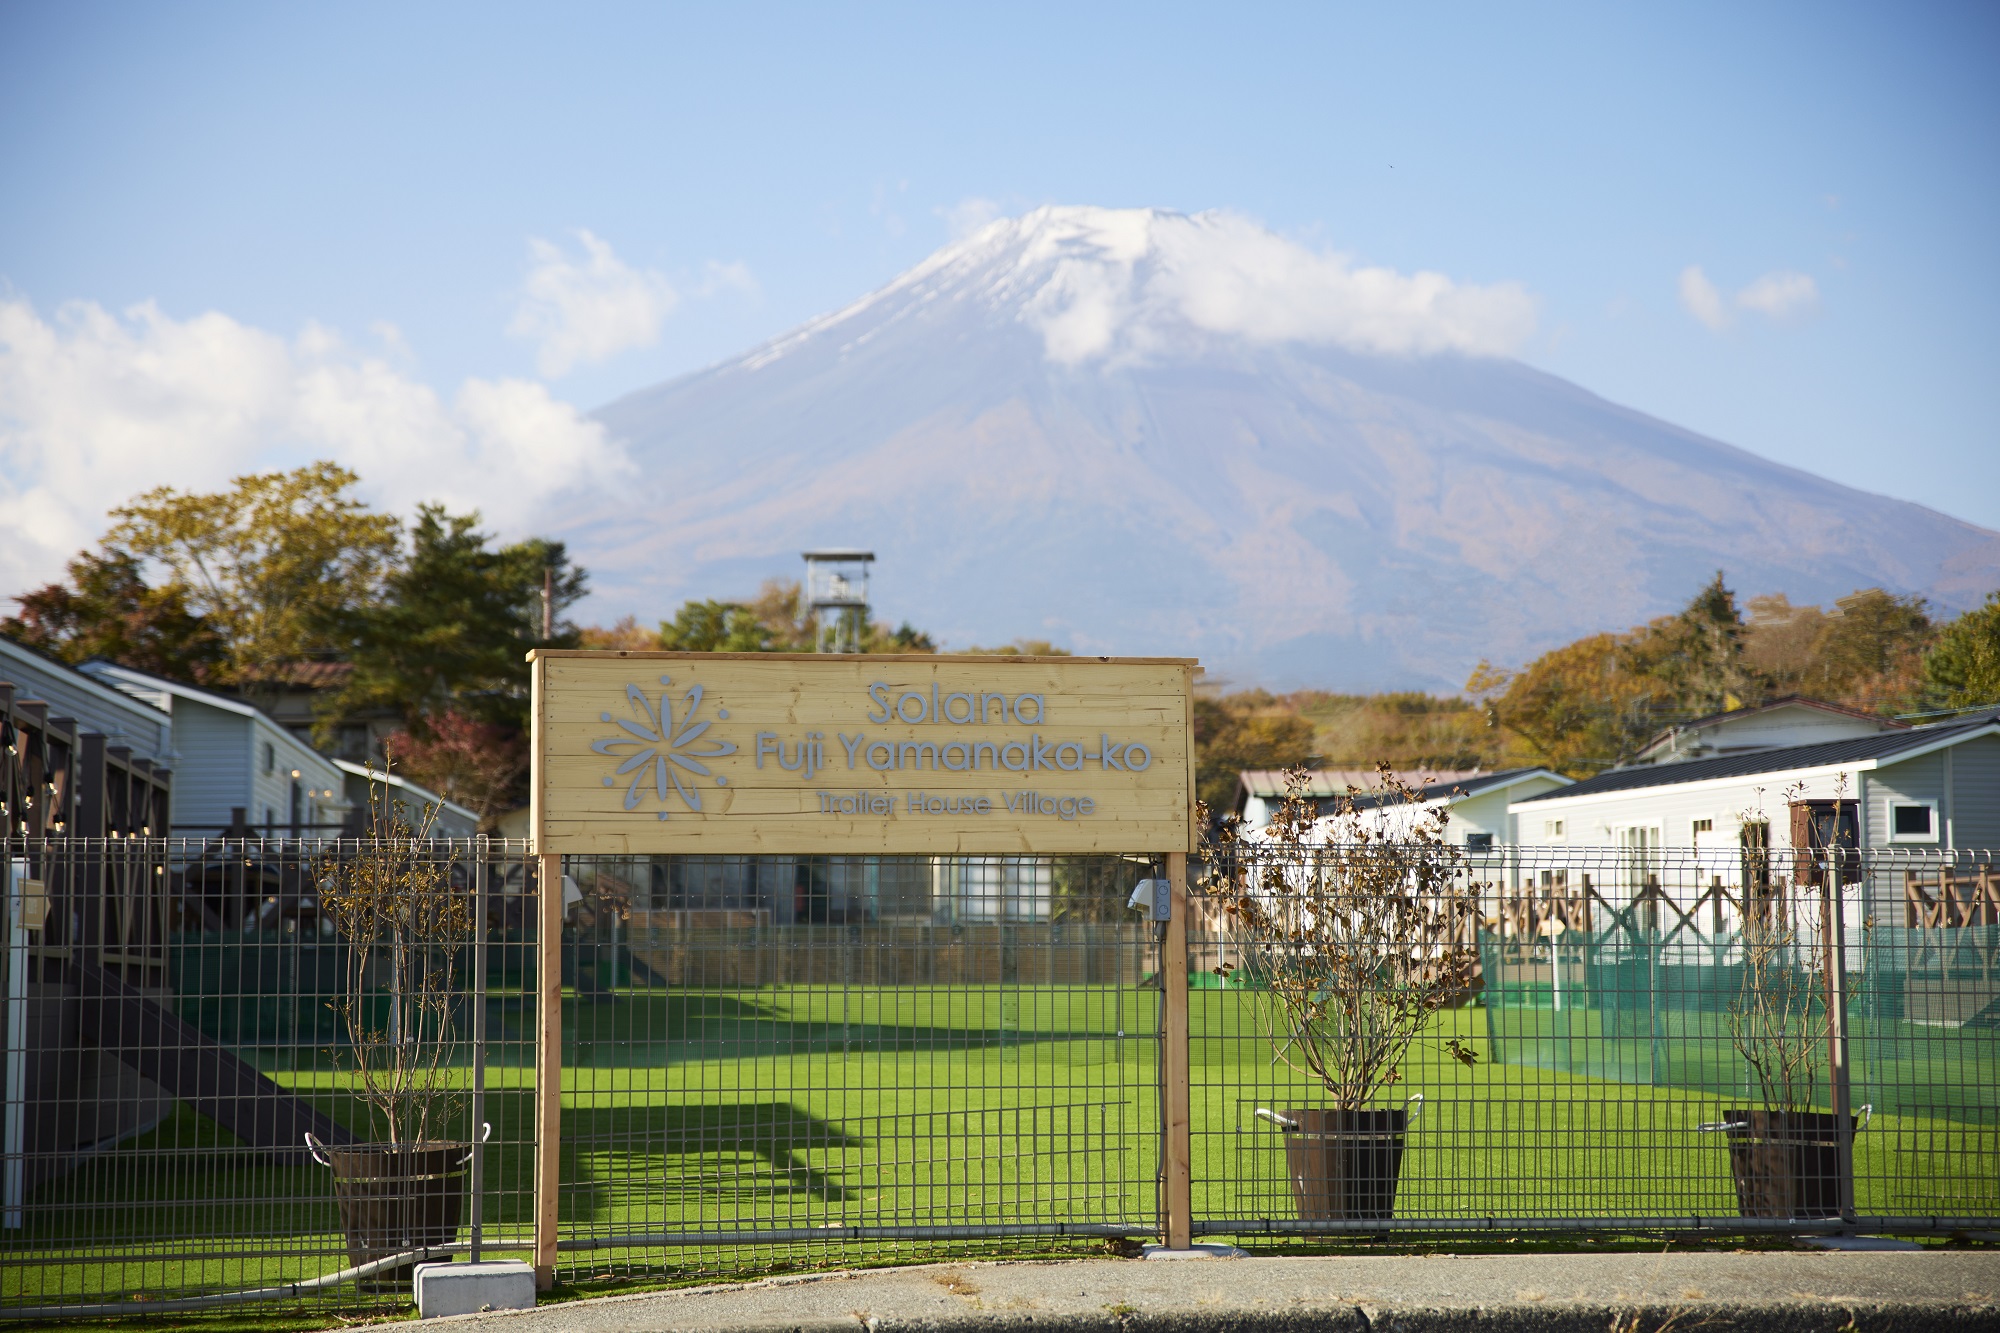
x=1199 y=1250
x=500 y=1284
x=1863 y=1243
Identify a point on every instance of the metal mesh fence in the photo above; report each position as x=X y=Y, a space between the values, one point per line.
x=779 y=1060
x=1647 y=1043
x=174 y=1032
x=778 y=1055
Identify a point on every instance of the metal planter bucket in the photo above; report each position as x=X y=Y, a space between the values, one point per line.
x=1344 y=1165
x=395 y=1199
x=1786 y=1163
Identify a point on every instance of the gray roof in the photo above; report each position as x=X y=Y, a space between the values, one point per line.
x=1273 y=782
x=96 y=707
x=1822 y=755
x=1465 y=786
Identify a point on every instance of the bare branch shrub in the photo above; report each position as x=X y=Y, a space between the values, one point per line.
x=1777 y=1019
x=404 y=925
x=1778 y=1016
x=1352 y=946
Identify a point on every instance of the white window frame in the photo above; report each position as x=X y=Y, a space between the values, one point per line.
x=1694 y=833
x=1889 y=821
x=1636 y=862
x=1555 y=830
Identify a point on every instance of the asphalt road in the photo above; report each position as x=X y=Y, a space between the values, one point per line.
x=1783 y=1291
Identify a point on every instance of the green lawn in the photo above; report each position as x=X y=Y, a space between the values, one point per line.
x=818 y=1108
x=1515 y=1140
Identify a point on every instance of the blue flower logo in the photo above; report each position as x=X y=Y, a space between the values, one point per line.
x=658 y=746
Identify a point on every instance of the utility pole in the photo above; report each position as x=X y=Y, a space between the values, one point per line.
x=548 y=603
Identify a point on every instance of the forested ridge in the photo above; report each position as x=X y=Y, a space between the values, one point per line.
x=428 y=621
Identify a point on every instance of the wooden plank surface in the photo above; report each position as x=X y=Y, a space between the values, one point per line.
x=895 y=754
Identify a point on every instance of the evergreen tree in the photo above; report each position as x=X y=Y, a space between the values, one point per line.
x=1963 y=671
x=716 y=627
x=453 y=626
x=1696 y=657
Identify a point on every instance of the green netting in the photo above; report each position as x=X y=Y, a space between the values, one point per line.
x=257 y=988
x=1636 y=1006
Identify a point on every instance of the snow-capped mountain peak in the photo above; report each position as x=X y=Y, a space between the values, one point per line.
x=1139 y=431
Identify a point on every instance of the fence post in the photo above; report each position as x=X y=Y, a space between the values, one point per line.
x=1833 y=918
x=14 y=1077
x=548 y=1065
x=481 y=855
x=1177 y=1153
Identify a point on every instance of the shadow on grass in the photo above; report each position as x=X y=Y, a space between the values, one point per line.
x=663 y=1027
x=694 y=1152
x=190 y=1179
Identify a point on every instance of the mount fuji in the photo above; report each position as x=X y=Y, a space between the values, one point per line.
x=1135 y=431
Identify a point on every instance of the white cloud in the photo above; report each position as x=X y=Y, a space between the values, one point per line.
x=590 y=308
x=96 y=407
x=1698 y=294
x=1778 y=295
x=1781 y=295
x=1120 y=283
x=540 y=444
x=734 y=276
x=968 y=216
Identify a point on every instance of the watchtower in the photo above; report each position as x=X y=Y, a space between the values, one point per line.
x=837 y=584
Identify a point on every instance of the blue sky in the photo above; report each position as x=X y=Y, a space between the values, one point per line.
x=1772 y=223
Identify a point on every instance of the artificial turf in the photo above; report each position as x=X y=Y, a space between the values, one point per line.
x=817 y=1108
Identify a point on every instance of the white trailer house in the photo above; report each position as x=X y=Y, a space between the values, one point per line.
x=232 y=758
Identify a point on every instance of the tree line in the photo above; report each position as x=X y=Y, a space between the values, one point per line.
x=426 y=624
x=422 y=625
x=1594 y=703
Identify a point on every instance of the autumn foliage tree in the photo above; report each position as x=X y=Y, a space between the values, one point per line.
x=1593 y=703
x=107 y=610
x=1247 y=730
x=269 y=563
x=1576 y=708
x=479 y=764
x=432 y=622
x=1867 y=652
x=1412 y=732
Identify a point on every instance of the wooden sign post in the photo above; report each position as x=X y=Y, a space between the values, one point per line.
x=833 y=754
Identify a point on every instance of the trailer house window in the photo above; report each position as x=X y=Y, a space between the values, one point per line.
x=1912 y=821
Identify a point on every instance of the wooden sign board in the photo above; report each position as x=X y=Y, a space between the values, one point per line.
x=787 y=753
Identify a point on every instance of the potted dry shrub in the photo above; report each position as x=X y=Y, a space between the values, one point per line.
x=1785 y=1156
x=403 y=926
x=1353 y=933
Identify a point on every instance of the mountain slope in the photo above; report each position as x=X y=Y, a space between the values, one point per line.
x=1114 y=430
